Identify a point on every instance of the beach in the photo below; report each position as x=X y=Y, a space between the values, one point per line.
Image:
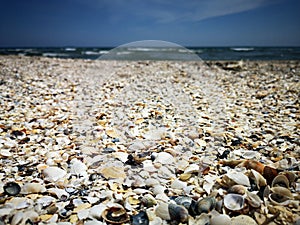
x=149 y=142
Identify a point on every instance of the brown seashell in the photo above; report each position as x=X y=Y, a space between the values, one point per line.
x=269 y=173
x=115 y=214
x=237 y=189
x=252 y=164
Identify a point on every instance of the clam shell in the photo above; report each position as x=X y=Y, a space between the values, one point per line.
x=162 y=211
x=280 y=196
x=205 y=205
x=148 y=200
x=238 y=178
x=237 y=189
x=178 y=213
x=281 y=181
x=140 y=219
x=269 y=173
x=11 y=188
x=115 y=214
x=253 y=199
x=260 y=181
x=234 y=202
x=184 y=201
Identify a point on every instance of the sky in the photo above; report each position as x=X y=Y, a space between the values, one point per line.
x=110 y=23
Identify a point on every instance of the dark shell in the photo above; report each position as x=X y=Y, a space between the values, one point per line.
x=178 y=213
x=204 y=205
x=140 y=219
x=269 y=173
x=11 y=188
x=184 y=201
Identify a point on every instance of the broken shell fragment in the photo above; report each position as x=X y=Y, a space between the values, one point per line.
x=242 y=220
x=237 y=189
x=234 y=202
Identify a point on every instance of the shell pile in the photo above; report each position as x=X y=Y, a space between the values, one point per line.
x=107 y=142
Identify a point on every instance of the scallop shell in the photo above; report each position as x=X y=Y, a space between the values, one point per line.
x=234 y=202
x=115 y=214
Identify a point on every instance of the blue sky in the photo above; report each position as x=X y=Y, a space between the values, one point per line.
x=37 y=23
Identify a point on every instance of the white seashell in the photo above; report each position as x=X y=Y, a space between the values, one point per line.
x=238 y=177
x=83 y=214
x=53 y=174
x=162 y=211
x=234 y=202
x=258 y=178
x=177 y=184
x=5 y=153
x=17 y=218
x=250 y=154
x=78 y=168
x=148 y=166
x=164 y=158
x=96 y=211
x=155 y=134
x=94 y=222
x=122 y=156
x=60 y=193
x=45 y=200
x=29 y=188
x=221 y=219
x=193 y=168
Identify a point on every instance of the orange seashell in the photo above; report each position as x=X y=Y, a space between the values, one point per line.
x=269 y=173
x=252 y=164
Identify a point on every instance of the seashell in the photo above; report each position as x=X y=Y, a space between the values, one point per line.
x=221 y=219
x=185 y=176
x=164 y=158
x=237 y=178
x=258 y=178
x=269 y=173
x=291 y=176
x=53 y=173
x=162 y=211
x=11 y=188
x=140 y=219
x=237 y=189
x=113 y=172
x=177 y=184
x=78 y=168
x=250 y=154
x=204 y=205
x=281 y=181
x=242 y=220
x=193 y=168
x=178 y=213
x=203 y=219
x=29 y=188
x=115 y=214
x=5 y=153
x=234 y=202
x=253 y=199
x=280 y=196
x=184 y=201
x=148 y=200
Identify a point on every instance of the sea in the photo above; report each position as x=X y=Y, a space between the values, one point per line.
x=160 y=53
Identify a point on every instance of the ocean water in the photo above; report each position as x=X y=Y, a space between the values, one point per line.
x=162 y=53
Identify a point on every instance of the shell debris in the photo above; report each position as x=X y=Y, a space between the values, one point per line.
x=148 y=142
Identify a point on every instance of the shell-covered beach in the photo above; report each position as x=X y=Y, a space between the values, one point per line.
x=149 y=142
